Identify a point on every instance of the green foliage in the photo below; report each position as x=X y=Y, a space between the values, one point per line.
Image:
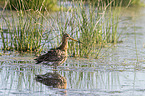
x=123 y=2
x=41 y=5
x=94 y=26
x=24 y=31
x=115 y=2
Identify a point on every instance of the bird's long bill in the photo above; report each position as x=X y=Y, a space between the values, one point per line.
x=73 y=39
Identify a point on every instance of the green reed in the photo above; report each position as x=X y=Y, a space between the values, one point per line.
x=29 y=30
x=24 y=31
x=94 y=26
x=40 y=5
x=116 y=2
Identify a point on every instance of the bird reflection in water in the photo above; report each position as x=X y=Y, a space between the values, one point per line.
x=54 y=80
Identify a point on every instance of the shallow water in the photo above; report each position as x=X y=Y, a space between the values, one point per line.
x=119 y=71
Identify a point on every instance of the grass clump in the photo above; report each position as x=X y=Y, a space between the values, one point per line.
x=41 y=5
x=123 y=2
x=116 y=2
x=95 y=26
x=22 y=31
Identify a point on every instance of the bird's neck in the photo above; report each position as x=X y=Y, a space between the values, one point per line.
x=64 y=45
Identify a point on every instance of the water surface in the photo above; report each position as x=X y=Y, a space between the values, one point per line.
x=120 y=70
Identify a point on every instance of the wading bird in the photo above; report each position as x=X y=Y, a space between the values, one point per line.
x=56 y=56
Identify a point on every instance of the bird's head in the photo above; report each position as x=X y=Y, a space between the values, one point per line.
x=67 y=36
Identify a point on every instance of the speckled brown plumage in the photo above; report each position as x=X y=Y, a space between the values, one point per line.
x=58 y=55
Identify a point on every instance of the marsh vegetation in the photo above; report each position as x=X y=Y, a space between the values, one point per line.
x=118 y=70
x=30 y=30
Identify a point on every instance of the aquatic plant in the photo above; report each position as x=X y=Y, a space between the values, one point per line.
x=116 y=2
x=23 y=31
x=41 y=5
x=123 y=2
x=94 y=26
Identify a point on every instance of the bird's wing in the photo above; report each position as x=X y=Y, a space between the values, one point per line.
x=55 y=55
x=52 y=55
